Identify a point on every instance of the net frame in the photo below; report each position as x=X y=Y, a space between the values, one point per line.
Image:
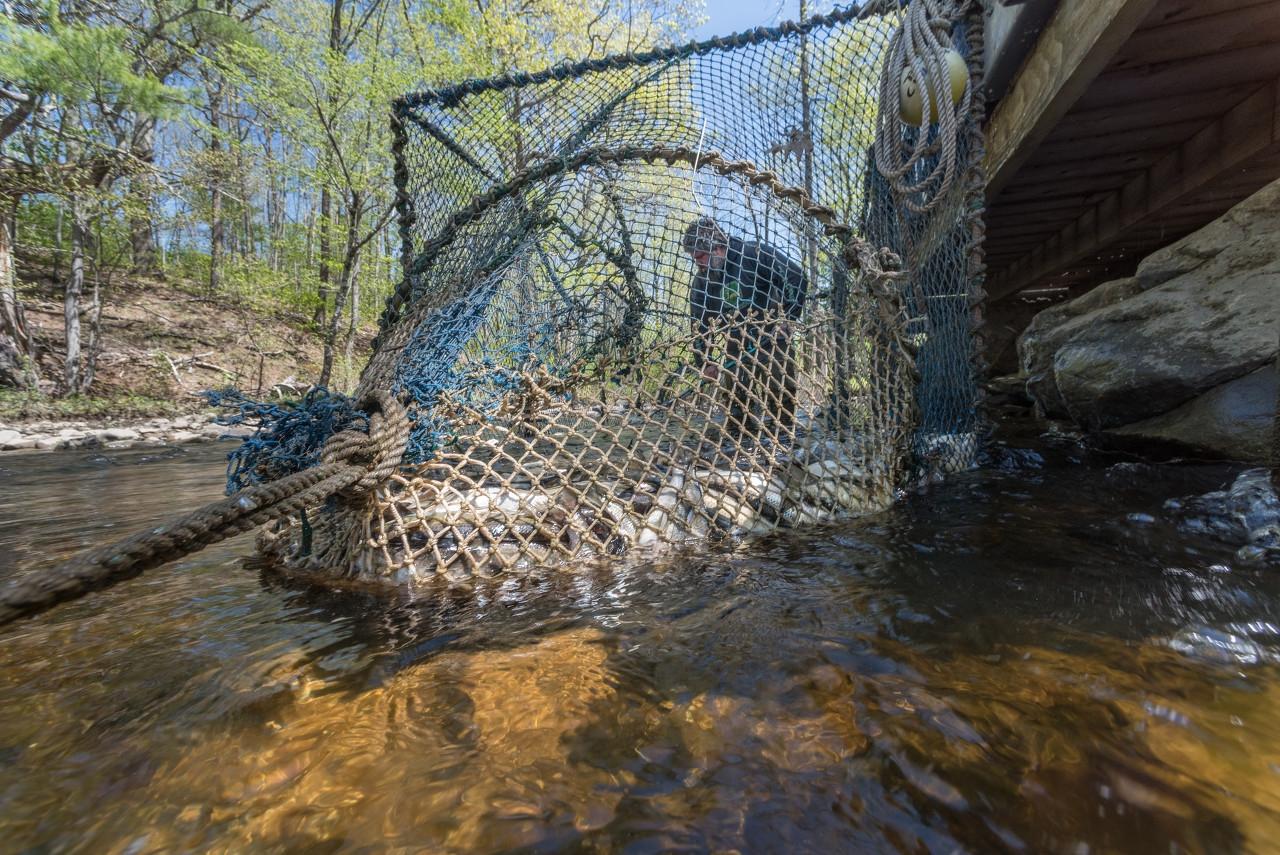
x=493 y=488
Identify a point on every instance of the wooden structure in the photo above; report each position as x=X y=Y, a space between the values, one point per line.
x=1130 y=124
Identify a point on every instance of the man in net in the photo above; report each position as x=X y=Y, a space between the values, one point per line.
x=754 y=292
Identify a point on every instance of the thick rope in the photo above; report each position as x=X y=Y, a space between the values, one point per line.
x=353 y=464
x=919 y=48
x=451 y=96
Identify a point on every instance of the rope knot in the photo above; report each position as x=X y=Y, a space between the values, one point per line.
x=380 y=450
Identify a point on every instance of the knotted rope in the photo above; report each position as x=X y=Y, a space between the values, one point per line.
x=352 y=465
x=919 y=48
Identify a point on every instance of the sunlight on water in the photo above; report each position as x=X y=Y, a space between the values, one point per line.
x=1028 y=658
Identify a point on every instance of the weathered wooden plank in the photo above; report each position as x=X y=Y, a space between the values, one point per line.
x=1077 y=43
x=1161 y=109
x=1243 y=68
x=1140 y=139
x=1175 y=11
x=1228 y=30
x=1000 y=229
x=1249 y=131
x=1045 y=170
x=1093 y=185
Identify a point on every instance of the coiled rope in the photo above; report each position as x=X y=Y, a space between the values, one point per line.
x=919 y=48
x=352 y=465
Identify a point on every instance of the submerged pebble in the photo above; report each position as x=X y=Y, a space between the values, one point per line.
x=1247 y=513
x=1214 y=645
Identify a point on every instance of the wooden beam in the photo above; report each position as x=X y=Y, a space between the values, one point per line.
x=1157 y=137
x=1242 y=69
x=1248 y=131
x=1097 y=186
x=1148 y=113
x=1188 y=10
x=1060 y=171
x=1077 y=43
x=1229 y=30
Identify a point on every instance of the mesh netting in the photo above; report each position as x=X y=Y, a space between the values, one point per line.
x=655 y=299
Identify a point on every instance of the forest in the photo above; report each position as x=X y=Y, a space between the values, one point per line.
x=236 y=153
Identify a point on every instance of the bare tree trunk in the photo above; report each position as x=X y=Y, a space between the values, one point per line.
x=310 y=243
x=17 y=348
x=217 y=236
x=335 y=44
x=274 y=212
x=326 y=206
x=353 y=316
x=57 y=242
x=248 y=246
x=346 y=281
x=95 y=319
x=71 y=300
x=142 y=239
x=331 y=333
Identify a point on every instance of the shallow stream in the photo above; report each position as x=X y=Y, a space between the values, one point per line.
x=1031 y=657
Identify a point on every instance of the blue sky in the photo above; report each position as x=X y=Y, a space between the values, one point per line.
x=731 y=16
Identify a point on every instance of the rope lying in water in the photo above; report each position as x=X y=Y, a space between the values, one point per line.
x=352 y=465
x=919 y=49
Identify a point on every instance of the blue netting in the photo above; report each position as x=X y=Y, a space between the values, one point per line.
x=286 y=438
x=938 y=291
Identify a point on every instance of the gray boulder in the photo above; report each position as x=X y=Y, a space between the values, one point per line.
x=1196 y=315
x=1233 y=420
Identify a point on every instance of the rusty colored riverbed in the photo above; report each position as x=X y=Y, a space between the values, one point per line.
x=1011 y=661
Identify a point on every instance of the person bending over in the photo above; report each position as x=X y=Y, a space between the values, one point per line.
x=755 y=291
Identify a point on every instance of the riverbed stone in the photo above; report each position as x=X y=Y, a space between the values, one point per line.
x=53 y=435
x=1234 y=420
x=1247 y=512
x=1197 y=315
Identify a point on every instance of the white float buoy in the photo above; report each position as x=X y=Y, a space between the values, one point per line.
x=910 y=97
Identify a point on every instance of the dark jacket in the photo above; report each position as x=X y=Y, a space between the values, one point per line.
x=754 y=276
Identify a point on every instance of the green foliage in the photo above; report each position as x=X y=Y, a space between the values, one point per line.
x=260 y=101
x=32 y=406
x=38 y=229
x=247 y=281
x=79 y=63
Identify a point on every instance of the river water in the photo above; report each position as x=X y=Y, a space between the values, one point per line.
x=1014 y=660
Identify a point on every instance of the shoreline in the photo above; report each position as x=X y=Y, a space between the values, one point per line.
x=50 y=435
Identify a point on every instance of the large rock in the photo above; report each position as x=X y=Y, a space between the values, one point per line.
x=1196 y=315
x=1233 y=420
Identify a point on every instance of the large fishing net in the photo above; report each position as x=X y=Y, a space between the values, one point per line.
x=665 y=297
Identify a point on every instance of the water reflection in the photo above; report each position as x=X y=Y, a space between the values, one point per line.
x=1007 y=662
